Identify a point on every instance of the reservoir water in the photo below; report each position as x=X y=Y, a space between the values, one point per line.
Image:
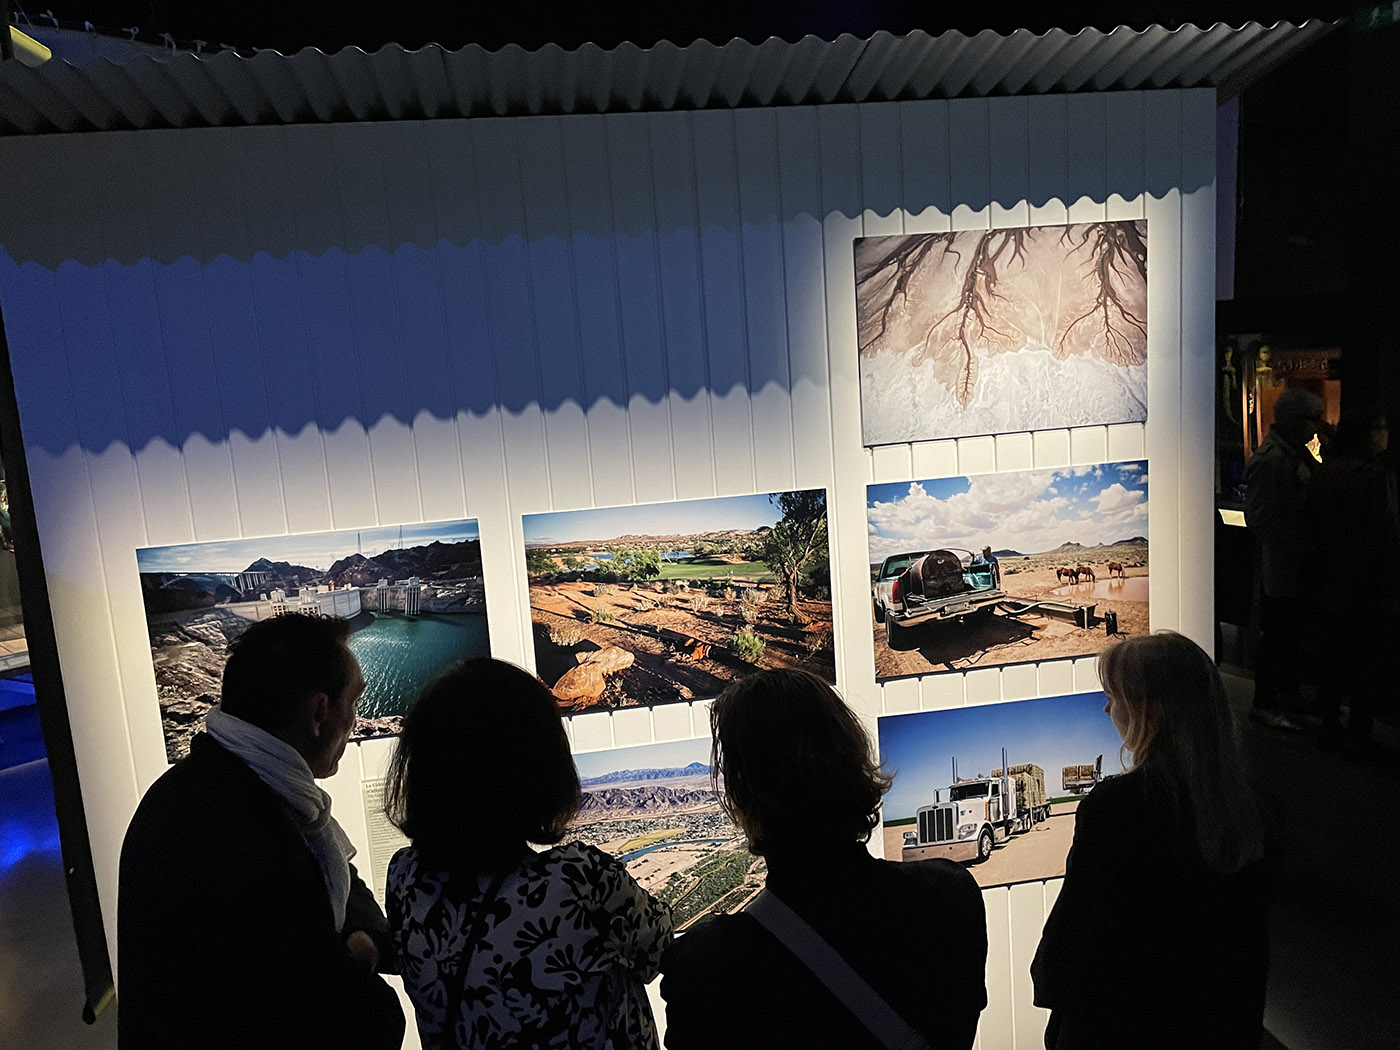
x=401 y=654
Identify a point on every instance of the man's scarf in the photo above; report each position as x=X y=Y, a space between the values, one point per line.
x=279 y=766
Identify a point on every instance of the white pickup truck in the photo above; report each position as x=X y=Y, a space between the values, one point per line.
x=923 y=586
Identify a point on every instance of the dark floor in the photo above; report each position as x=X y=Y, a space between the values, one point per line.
x=1335 y=926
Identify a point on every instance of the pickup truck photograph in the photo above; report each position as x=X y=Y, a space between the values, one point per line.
x=921 y=587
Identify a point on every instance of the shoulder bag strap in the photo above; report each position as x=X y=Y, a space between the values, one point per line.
x=813 y=952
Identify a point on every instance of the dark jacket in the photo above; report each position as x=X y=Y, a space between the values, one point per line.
x=1144 y=946
x=916 y=932
x=225 y=937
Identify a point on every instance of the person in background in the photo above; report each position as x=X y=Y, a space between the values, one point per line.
x=1354 y=533
x=793 y=767
x=1276 y=480
x=240 y=920
x=501 y=946
x=1159 y=936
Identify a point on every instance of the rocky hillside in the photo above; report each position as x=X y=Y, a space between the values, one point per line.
x=617 y=802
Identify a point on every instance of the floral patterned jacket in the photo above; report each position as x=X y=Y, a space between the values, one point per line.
x=567 y=945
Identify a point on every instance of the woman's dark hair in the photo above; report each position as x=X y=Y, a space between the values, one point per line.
x=792 y=763
x=482 y=767
x=278 y=663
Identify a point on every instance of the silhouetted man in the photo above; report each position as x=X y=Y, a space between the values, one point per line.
x=1276 y=482
x=240 y=920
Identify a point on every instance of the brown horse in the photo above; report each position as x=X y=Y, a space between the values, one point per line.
x=1063 y=573
x=1115 y=568
x=1086 y=572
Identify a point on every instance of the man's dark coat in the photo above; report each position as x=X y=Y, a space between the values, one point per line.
x=225 y=936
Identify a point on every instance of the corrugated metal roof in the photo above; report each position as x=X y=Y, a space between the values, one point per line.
x=184 y=90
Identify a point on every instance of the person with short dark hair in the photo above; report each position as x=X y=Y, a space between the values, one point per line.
x=794 y=768
x=1159 y=937
x=501 y=946
x=1276 y=480
x=241 y=921
x=1353 y=518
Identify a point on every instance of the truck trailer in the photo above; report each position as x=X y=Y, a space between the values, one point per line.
x=981 y=812
x=1081 y=779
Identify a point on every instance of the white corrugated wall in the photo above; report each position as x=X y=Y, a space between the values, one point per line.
x=262 y=331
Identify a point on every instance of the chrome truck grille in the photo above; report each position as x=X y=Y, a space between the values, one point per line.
x=936 y=825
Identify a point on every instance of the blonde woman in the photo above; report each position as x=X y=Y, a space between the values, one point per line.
x=1159 y=935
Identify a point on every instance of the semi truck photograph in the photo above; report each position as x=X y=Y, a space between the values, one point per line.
x=982 y=812
x=1017 y=777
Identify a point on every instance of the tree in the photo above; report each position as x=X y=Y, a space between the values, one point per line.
x=796 y=539
x=635 y=563
x=575 y=562
x=538 y=563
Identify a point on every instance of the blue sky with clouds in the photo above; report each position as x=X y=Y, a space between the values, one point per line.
x=651 y=519
x=1053 y=732
x=317 y=550
x=1030 y=511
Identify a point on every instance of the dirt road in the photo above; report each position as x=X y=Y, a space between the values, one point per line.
x=1035 y=854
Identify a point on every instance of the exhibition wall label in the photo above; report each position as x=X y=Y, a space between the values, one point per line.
x=997 y=785
x=995 y=331
x=654 y=808
x=413 y=595
x=670 y=602
x=1067 y=568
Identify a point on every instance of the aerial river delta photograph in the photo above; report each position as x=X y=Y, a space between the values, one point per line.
x=996 y=331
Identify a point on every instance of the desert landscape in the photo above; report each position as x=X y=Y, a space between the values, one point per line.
x=646 y=616
x=1027 y=857
x=667 y=826
x=999 y=638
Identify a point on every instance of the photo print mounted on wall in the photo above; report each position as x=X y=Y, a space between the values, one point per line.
x=996 y=785
x=413 y=595
x=996 y=331
x=670 y=602
x=654 y=808
x=1006 y=568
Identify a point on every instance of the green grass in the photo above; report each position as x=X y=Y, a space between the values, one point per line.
x=901 y=820
x=715 y=569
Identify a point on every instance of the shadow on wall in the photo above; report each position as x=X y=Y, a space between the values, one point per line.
x=281 y=276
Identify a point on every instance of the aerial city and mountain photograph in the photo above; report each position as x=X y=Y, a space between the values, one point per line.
x=413 y=595
x=993 y=569
x=670 y=602
x=997 y=331
x=653 y=806
x=995 y=786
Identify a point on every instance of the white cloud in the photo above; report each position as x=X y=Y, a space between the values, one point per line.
x=1116 y=498
x=1024 y=511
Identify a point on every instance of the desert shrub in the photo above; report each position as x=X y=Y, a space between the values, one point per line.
x=565 y=634
x=674 y=586
x=699 y=602
x=748 y=613
x=728 y=594
x=601 y=616
x=746 y=646
x=751 y=597
x=600 y=589
x=818 y=640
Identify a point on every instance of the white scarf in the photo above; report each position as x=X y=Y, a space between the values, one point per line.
x=279 y=766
